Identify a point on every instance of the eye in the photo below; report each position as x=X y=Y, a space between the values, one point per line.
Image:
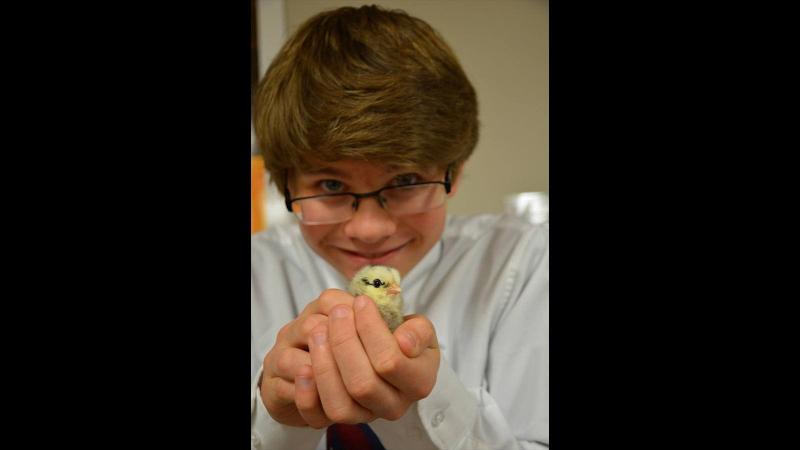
x=331 y=186
x=405 y=179
x=377 y=283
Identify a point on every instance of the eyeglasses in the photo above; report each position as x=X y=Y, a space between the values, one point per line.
x=399 y=200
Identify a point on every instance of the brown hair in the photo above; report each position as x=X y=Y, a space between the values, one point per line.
x=369 y=84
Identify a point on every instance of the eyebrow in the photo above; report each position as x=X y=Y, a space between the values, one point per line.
x=390 y=168
x=325 y=171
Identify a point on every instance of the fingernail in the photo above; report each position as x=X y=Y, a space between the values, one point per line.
x=360 y=303
x=411 y=339
x=320 y=338
x=339 y=312
x=303 y=382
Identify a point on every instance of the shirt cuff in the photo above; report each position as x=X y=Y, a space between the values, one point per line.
x=450 y=411
x=266 y=433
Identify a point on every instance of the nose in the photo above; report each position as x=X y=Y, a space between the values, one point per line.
x=370 y=222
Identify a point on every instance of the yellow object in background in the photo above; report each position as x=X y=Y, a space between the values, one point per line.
x=258 y=216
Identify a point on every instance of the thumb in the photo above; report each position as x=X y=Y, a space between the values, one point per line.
x=415 y=335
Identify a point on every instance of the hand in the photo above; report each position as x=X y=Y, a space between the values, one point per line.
x=361 y=370
x=287 y=366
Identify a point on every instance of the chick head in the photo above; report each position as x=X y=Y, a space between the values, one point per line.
x=376 y=282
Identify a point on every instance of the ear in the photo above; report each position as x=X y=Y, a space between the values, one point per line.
x=290 y=178
x=456 y=182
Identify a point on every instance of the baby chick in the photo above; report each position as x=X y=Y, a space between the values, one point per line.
x=382 y=285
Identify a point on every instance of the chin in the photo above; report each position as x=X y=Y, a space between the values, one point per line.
x=349 y=264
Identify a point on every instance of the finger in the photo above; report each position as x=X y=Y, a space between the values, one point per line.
x=278 y=397
x=287 y=363
x=415 y=335
x=381 y=346
x=378 y=341
x=307 y=400
x=336 y=402
x=295 y=333
x=358 y=376
x=417 y=377
x=277 y=392
x=413 y=377
x=327 y=301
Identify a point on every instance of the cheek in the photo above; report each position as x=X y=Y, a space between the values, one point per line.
x=429 y=225
x=315 y=235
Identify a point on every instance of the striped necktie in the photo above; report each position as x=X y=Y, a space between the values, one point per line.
x=352 y=437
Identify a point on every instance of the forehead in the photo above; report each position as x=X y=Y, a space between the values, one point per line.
x=349 y=169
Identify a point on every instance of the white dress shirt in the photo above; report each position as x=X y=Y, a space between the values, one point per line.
x=485 y=288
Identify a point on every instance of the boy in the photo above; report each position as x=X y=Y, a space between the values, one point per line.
x=366 y=119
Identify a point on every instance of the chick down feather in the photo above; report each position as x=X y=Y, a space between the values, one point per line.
x=382 y=285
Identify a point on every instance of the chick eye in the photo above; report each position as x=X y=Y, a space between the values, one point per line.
x=377 y=283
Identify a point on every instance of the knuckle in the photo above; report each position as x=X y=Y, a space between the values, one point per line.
x=271 y=363
x=340 y=414
x=362 y=388
x=283 y=333
x=324 y=369
x=317 y=424
x=281 y=392
x=422 y=390
x=328 y=295
x=423 y=328
x=339 y=340
x=285 y=392
x=396 y=412
x=309 y=306
x=284 y=363
x=319 y=328
x=310 y=323
x=267 y=392
x=269 y=360
x=330 y=298
x=388 y=364
x=304 y=405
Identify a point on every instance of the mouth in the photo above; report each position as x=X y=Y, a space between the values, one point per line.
x=381 y=257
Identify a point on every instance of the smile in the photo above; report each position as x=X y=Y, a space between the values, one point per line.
x=374 y=257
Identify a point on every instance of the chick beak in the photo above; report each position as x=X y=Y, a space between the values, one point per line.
x=393 y=289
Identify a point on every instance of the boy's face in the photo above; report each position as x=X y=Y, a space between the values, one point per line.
x=373 y=235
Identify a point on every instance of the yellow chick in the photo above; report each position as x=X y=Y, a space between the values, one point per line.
x=382 y=285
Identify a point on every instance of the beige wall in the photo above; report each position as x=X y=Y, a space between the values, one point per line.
x=502 y=45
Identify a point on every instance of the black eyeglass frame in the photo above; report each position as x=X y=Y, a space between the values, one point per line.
x=377 y=194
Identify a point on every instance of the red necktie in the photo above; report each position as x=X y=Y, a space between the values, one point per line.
x=352 y=437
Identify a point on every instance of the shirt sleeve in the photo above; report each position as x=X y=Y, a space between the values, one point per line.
x=515 y=399
x=511 y=409
x=266 y=433
x=455 y=417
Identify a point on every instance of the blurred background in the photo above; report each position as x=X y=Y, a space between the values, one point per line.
x=502 y=46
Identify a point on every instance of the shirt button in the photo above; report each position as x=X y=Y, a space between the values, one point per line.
x=254 y=441
x=437 y=419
